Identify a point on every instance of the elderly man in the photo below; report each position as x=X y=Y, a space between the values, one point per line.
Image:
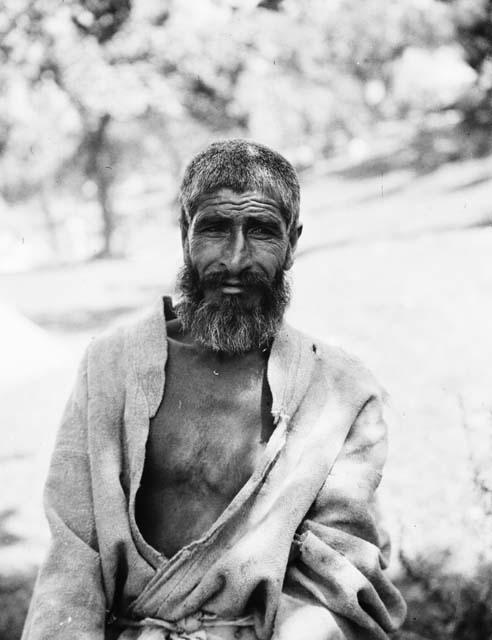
x=215 y=472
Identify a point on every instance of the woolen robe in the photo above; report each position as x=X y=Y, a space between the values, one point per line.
x=300 y=540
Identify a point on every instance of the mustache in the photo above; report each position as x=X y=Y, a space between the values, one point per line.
x=248 y=279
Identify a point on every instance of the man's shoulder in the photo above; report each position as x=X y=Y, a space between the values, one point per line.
x=341 y=369
x=339 y=361
x=131 y=337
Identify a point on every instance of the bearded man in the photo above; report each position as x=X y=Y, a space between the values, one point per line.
x=214 y=476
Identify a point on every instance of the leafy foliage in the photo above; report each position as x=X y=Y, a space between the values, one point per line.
x=473 y=19
x=101 y=18
x=98 y=96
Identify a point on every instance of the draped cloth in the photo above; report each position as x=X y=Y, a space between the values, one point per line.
x=299 y=548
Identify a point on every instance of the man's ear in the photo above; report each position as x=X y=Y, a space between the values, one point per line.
x=184 y=234
x=294 y=236
x=184 y=226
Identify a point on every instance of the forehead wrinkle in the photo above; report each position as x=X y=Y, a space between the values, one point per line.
x=232 y=198
x=224 y=210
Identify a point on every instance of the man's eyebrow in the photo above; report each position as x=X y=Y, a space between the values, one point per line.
x=266 y=218
x=204 y=217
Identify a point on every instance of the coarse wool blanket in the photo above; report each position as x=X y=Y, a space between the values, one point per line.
x=299 y=545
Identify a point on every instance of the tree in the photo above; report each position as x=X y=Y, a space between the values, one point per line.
x=473 y=20
x=109 y=68
x=116 y=95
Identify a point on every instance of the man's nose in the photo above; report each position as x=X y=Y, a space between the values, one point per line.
x=237 y=257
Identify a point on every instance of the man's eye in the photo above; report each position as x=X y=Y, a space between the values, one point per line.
x=260 y=231
x=213 y=228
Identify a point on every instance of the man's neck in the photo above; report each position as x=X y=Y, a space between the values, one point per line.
x=175 y=332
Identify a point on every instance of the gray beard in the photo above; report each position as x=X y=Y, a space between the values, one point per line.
x=228 y=325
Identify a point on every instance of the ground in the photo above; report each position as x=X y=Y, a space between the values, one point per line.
x=393 y=266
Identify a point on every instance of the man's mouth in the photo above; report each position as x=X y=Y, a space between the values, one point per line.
x=228 y=285
x=232 y=287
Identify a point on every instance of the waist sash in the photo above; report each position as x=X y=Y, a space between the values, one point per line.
x=201 y=626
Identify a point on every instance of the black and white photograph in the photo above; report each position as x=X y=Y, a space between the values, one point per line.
x=246 y=320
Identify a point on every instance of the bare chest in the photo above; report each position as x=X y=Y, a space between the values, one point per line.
x=203 y=445
x=210 y=429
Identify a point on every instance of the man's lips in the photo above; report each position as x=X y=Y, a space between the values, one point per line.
x=232 y=287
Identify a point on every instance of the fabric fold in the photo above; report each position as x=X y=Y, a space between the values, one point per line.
x=310 y=497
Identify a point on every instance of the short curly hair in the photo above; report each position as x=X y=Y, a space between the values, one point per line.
x=240 y=165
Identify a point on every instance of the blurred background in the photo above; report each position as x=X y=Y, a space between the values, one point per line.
x=385 y=109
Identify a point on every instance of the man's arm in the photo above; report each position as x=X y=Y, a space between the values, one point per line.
x=68 y=600
x=337 y=583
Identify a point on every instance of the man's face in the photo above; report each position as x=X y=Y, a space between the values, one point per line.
x=234 y=241
x=233 y=284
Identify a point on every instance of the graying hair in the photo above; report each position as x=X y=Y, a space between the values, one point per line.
x=240 y=165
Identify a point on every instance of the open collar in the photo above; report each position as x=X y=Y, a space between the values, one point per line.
x=289 y=368
x=289 y=371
